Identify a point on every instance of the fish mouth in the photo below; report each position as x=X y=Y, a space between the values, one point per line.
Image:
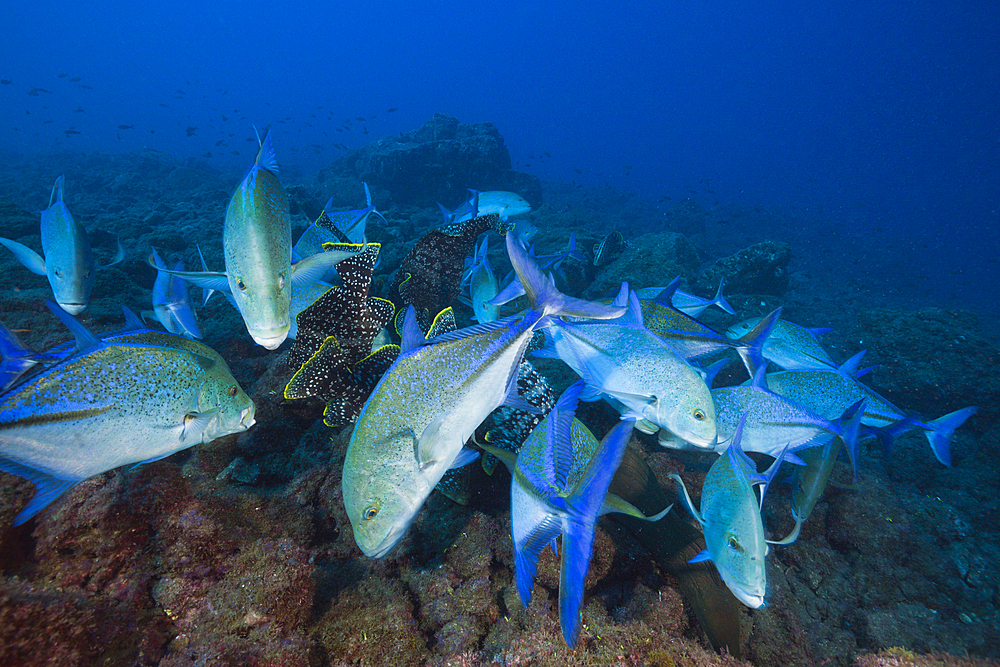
x=388 y=543
x=73 y=308
x=247 y=417
x=270 y=342
x=752 y=600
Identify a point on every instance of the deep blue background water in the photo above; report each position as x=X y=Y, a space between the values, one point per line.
x=871 y=115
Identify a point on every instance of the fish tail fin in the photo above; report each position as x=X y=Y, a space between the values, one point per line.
x=15 y=358
x=206 y=293
x=850 y=424
x=750 y=344
x=720 y=299
x=446 y=213
x=940 y=430
x=793 y=536
x=265 y=156
x=48 y=487
x=545 y=297
x=578 y=531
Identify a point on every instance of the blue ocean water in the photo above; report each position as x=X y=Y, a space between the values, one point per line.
x=879 y=118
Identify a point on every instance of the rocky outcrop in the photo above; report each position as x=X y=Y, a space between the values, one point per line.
x=437 y=162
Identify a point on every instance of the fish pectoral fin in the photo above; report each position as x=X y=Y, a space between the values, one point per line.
x=196 y=422
x=464 y=458
x=314 y=267
x=431 y=446
x=31 y=259
x=701 y=557
x=119 y=255
x=614 y=504
x=211 y=280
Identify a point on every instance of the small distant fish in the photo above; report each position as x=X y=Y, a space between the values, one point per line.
x=83 y=86
x=6 y=82
x=78 y=110
x=71 y=131
x=180 y=92
x=75 y=79
x=126 y=127
x=191 y=130
x=610 y=247
x=110 y=404
x=206 y=154
x=61 y=76
x=390 y=110
x=34 y=91
x=68 y=261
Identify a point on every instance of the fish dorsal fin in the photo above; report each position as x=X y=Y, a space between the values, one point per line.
x=265 y=156
x=558 y=456
x=118 y=256
x=411 y=334
x=850 y=367
x=667 y=295
x=57 y=190
x=84 y=338
x=132 y=322
x=444 y=322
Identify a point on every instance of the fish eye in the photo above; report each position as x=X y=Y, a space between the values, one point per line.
x=57 y=271
x=734 y=544
x=240 y=284
x=281 y=281
x=233 y=389
x=699 y=414
x=370 y=512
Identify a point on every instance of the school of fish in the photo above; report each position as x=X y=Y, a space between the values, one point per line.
x=139 y=394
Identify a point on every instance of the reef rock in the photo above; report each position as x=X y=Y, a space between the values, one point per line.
x=437 y=163
x=760 y=269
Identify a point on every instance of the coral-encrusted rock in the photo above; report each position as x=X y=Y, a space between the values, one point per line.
x=651 y=260
x=760 y=269
x=437 y=163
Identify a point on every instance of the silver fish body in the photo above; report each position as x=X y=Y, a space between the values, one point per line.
x=69 y=260
x=257 y=246
x=415 y=423
x=114 y=404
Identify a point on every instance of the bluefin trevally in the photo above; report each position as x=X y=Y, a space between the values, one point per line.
x=790 y=346
x=693 y=340
x=638 y=373
x=730 y=518
x=810 y=479
x=483 y=285
x=256 y=244
x=691 y=304
x=414 y=425
x=559 y=488
x=110 y=404
x=831 y=391
x=773 y=423
x=505 y=204
x=171 y=305
x=68 y=261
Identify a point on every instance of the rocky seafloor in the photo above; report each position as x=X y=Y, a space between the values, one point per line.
x=239 y=552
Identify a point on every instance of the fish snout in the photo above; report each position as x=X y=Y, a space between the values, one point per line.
x=269 y=339
x=73 y=308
